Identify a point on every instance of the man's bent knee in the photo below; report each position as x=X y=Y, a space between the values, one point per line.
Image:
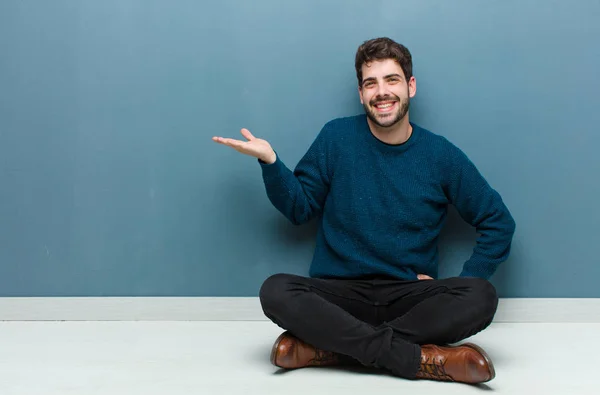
x=273 y=290
x=484 y=294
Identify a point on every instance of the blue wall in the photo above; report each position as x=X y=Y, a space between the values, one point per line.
x=110 y=184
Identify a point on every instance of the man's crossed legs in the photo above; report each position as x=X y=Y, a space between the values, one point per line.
x=404 y=327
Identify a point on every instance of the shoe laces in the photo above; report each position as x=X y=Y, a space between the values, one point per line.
x=434 y=369
x=322 y=356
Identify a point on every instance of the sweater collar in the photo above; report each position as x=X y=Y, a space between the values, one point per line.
x=374 y=141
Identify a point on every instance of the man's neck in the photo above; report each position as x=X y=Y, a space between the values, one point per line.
x=394 y=135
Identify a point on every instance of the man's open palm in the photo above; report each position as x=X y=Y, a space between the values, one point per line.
x=255 y=147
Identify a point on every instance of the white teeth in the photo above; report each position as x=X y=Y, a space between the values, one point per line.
x=384 y=105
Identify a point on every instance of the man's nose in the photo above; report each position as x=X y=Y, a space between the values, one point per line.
x=382 y=90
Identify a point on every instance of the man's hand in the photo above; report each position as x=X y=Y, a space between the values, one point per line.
x=255 y=147
x=423 y=277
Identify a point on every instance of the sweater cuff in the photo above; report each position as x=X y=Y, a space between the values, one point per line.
x=481 y=273
x=270 y=170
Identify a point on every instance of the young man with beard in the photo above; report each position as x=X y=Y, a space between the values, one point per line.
x=381 y=186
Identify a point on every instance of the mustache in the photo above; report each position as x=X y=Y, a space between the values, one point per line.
x=380 y=99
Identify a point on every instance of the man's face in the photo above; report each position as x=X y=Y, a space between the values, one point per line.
x=385 y=94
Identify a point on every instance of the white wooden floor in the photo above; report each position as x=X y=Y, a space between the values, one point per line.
x=206 y=358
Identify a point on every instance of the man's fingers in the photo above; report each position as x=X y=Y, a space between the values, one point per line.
x=229 y=142
x=424 y=277
x=246 y=133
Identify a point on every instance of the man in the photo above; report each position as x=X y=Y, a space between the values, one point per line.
x=381 y=186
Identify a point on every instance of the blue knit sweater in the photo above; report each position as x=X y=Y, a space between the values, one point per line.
x=381 y=207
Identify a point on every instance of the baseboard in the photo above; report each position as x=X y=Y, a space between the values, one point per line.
x=247 y=309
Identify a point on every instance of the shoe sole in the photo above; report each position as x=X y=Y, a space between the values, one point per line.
x=487 y=358
x=276 y=346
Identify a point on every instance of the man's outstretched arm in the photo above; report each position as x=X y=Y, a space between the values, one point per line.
x=298 y=195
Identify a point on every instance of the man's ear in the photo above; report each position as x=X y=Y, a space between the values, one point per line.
x=360 y=94
x=412 y=87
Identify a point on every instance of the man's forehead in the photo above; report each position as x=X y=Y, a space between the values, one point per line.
x=380 y=68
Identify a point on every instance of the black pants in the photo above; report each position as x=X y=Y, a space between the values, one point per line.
x=379 y=322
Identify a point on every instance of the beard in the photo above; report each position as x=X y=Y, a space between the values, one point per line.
x=387 y=120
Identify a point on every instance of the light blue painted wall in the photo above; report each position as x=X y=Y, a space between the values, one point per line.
x=110 y=185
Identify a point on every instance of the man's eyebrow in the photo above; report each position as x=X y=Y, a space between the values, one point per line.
x=386 y=77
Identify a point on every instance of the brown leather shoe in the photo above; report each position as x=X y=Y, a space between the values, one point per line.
x=466 y=363
x=289 y=352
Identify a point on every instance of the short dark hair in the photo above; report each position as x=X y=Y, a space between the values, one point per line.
x=380 y=49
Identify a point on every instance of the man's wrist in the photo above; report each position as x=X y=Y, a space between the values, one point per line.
x=269 y=160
